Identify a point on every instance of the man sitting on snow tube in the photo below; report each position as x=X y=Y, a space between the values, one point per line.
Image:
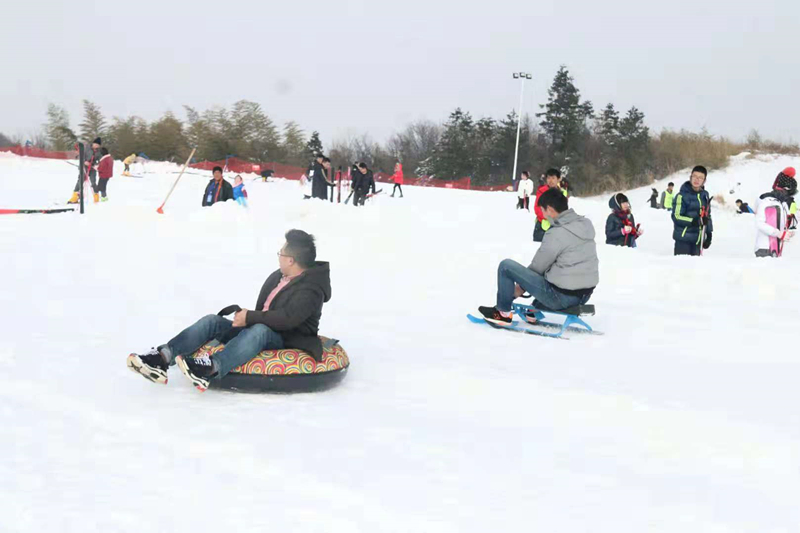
x=287 y=315
x=564 y=271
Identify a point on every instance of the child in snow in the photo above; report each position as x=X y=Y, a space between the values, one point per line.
x=397 y=177
x=524 y=191
x=772 y=216
x=691 y=217
x=105 y=169
x=621 y=228
x=239 y=194
x=654 y=199
x=743 y=207
x=128 y=161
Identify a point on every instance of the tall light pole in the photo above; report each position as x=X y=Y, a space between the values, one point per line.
x=522 y=76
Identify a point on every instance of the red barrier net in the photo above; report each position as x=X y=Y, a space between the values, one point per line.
x=30 y=151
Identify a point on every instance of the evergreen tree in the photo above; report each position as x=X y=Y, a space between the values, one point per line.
x=253 y=133
x=59 y=135
x=453 y=157
x=5 y=141
x=122 y=138
x=94 y=124
x=634 y=138
x=314 y=146
x=564 y=118
x=166 y=139
x=294 y=145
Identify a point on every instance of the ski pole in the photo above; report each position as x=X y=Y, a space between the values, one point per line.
x=161 y=209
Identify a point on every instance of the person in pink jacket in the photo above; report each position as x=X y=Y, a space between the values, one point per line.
x=398 y=178
x=105 y=170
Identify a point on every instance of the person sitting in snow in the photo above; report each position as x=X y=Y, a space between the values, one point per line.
x=217 y=190
x=772 y=215
x=742 y=207
x=564 y=272
x=524 y=191
x=105 y=170
x=692 y=216
x=239 y=192
x=621 y=228
x=286 y=315
x=654 y=199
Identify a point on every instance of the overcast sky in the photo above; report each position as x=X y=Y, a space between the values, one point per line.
x=372 y=66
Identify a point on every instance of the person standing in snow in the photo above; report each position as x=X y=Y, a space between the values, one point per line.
x=286 y=315
x=654 y=199
x=362 y=183
x=397 y=178
x=743 y=208
x=668 y=197
x=564 y=272
x=524 y=191
x=128 y=161
x=691 y=218
x=92 y=160
x=239 y=192
x=105 y=170
x=772 y=215
x=621 y=228
x=217 y=190
x=552 y=181
x=316 y=173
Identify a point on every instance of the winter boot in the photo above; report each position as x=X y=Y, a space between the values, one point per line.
x=199 y=370
x=73 y=199
x=151 y=365
x=96 y=197
x=491 y=314
x=104 y=199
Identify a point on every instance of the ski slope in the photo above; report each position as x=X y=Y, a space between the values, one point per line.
x=682 y=417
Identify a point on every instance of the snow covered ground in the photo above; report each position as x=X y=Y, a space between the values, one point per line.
x=683 y=417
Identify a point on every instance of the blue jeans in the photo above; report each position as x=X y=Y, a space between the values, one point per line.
x=239 y=350
x=510 y=272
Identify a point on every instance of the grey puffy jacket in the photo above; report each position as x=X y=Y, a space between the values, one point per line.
x=567 y=257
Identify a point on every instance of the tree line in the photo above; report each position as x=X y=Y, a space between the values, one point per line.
x=599 y=151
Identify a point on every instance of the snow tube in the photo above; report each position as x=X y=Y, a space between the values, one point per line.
x=284 y=370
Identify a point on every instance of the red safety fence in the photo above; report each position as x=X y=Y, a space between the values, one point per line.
x=237 y=165
x=30 y=151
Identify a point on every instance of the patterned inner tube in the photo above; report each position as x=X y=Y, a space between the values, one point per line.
x=285 y=370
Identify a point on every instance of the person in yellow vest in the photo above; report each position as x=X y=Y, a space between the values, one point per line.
x=128 y=161
x=668 y=197
x=792 y=220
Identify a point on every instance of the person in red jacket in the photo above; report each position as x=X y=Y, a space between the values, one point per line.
x=552 y=181
x=105 y=170
x=397 y=177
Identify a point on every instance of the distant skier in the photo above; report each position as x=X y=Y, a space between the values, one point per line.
x=128 y=161
x=742 y=207
x=239 y=192
x=524 y=191
x=654 y=199
x=621 y=228
x=692 y=217
x=772 y=215
x=564 y=272
x=217 y=190
x=668 y=197
x=552 y=181
x=397 y=178
x=92 y=159
x=286 y=315
x=105 y=170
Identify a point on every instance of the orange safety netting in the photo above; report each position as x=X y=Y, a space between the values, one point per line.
x=30 y=151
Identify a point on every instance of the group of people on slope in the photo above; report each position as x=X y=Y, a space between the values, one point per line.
x=550 y=180
x=318 y=179
x=97 y=162
x=667 y=198
x=220 y=190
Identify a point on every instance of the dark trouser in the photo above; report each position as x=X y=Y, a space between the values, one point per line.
x=510 y=272
x=397 y=187
x=686 y=248
x=92 y=180
x=522 y=203
x=359 y=197
x=538 y=232
x=101 y=186
x=239 y=350
x=127 y=167
x=763 y=253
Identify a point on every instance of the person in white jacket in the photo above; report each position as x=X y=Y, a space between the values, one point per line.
x=524 y=191
x=772 y=215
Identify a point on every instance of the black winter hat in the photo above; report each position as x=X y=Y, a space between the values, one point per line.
x=97 y=141
x=621 y=199
x=786 y=181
